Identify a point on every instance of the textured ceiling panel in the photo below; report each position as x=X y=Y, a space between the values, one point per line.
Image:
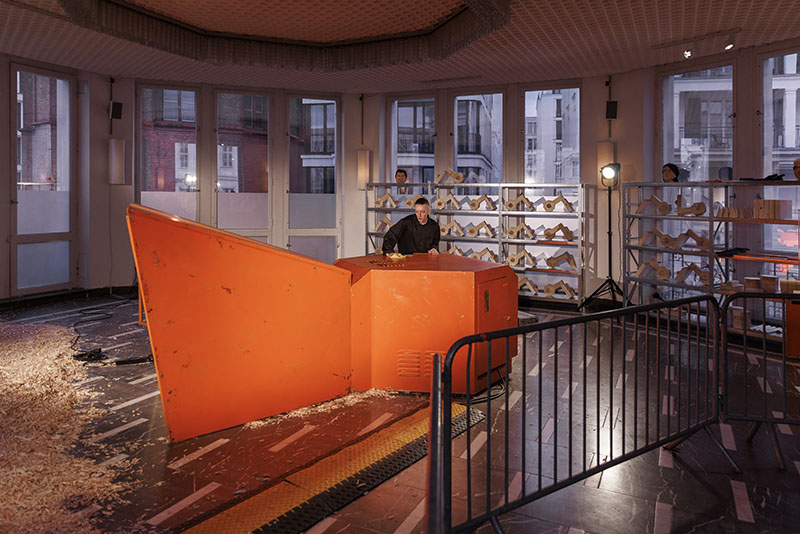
x=307 y=20
x=542 y=41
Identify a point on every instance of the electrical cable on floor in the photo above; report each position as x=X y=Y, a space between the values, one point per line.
x=101 y=313
x=495 y=392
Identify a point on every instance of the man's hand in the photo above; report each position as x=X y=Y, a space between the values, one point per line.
x=433 y=251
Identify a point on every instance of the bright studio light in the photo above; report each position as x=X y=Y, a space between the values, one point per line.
x=609 y=174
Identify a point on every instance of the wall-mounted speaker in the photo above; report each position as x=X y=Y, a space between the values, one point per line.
x=116 y=110
x=611 y=109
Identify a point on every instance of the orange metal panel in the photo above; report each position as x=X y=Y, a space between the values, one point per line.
x=240 y=330
x=420 y=305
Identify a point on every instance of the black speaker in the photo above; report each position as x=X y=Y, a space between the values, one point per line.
x=116 y=110
x=611 y=109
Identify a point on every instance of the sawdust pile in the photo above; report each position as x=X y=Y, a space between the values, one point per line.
x=41 y=416
x=323 y=407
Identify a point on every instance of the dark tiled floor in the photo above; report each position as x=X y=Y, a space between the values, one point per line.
x=691 y=490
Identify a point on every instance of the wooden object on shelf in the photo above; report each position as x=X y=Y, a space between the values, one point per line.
x=740 y=320
x=552 y=289
x=519 y=258
x=702 y=243
x=512 y=233
x=772 y=209
x=698 y=208
x=790 y=286
x=732 y=286
x=475 y=203
x=410 y=201
x=550 y=233
x=665 y=239
x=450 y=227
x=441 y=203
x=384 y=225
x=475 y=229
x=554 y=261
x=385 y=200
x=455 y=251
x=550 y=205
x=661 y=207
x=752 y=283
x=485 y=252
x=769 y=283
x=661 y=272
x=525 y=283
x=703 y=275
x=735 y=212
x=456 y=177
x=513 y=205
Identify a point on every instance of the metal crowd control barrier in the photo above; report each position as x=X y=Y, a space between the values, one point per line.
x=761 y=378
x=585 y=394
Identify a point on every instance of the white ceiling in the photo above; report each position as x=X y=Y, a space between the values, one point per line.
x=541 y=40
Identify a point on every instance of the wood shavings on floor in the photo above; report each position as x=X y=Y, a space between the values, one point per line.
x=43 y=485
x=323 y=407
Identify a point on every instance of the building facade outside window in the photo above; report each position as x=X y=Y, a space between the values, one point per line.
x=552 y=136
x=413 y=138
x=479 y=139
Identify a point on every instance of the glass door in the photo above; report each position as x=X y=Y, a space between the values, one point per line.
x=242 y=188
x=43 y=255
x=313 y=227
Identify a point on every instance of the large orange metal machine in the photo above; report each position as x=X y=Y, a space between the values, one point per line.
x=241 y=330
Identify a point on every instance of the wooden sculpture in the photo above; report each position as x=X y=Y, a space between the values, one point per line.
x=550 y=205
x=485 y=252
x=474 y=230
x=550 y=233
x=551 y=289
x=698 y=208
x=525 y=283
x=441 y=203
x=703 y=275
x=512 y=233
x=410 y=201
x=519 y=259
x=564 y=257
x=385 y=199
x=451 y=227
x=666 y=239
x=475 y=204
x=661 y=207
x=735 y=212
x=455 y=251
x=513 y=205
x=384 y=225
x=702 y=242
x=449 y=173
x=661 y=272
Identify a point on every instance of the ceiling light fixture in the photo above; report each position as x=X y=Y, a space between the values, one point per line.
x=729 y=42
x=687 y=53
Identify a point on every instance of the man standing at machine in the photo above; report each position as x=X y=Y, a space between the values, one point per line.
x=414 y=233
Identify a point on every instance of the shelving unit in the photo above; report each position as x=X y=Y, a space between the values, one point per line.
x=555 y=281
x=719 y=270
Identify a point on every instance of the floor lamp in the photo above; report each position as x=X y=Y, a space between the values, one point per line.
x=609 y=177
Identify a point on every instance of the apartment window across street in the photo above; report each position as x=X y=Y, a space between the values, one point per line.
x=552 y=123
x=178 y=105
x=413 y=138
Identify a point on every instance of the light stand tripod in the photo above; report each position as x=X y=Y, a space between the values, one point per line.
x=610 y=176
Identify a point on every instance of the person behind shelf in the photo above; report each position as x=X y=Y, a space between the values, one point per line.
x=414 y=233
x=796 y=168
x=401 y=177
x=670 y=172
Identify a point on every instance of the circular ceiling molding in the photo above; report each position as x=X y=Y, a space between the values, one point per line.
x=305 y=36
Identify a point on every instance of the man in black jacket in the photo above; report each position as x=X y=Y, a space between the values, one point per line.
x=414 y=233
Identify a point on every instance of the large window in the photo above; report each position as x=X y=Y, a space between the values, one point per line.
x=697 y=122
x=552 y=136
x=169 y=151
x=479 y=138
x=413 y=140
x=781 y=137
x=312 y=163
x=242 y=161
